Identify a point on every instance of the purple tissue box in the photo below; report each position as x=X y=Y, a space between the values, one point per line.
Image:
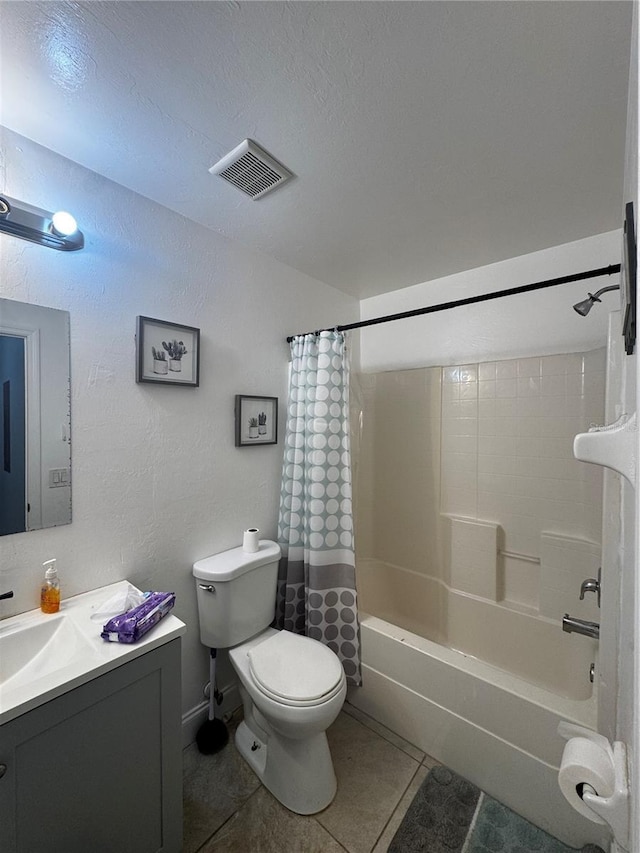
x=129 y=627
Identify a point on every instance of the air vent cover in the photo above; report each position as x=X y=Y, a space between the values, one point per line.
x=249 y=168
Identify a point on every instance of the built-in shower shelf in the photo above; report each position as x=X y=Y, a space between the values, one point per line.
x=614 y=446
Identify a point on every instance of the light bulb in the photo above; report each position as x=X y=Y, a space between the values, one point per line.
x=63 y=223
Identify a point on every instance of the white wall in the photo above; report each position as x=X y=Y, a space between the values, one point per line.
x=157 y=481
x=538 y=323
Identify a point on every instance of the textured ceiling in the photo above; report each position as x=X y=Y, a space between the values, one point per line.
x=426 y=137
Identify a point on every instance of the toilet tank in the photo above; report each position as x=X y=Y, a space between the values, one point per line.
x=236 y=594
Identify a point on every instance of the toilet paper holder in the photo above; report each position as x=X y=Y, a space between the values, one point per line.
x=614 y=809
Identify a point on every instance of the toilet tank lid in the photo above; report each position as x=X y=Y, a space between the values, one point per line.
x=231 y=564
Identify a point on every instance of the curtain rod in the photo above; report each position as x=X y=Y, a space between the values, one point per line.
x=470 y=300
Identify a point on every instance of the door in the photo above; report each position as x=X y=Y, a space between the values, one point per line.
x=12 y=435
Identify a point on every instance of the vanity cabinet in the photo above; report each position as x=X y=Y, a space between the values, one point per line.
x=99 y=768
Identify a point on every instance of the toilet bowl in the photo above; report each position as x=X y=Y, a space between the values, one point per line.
x=292 y=687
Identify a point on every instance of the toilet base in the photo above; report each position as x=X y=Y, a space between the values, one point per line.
x=299 y=773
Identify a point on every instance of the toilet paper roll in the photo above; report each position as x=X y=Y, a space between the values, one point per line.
x=585 y=763
x=250 y=541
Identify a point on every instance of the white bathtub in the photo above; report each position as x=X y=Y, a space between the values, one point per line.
x=493 y=726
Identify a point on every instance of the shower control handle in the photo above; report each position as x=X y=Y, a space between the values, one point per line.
x=591 y=585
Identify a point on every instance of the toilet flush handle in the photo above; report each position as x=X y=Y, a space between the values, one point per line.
x=207 y=587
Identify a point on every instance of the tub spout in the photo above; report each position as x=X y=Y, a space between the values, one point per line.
x=590 y=629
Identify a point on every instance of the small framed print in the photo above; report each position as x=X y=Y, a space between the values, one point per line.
x=256 y=420
x=167 y=353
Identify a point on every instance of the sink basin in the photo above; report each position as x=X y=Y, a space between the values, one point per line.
x=43 y=656
x=31 y=650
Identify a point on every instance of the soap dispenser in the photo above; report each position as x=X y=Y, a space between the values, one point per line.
x=50 y=592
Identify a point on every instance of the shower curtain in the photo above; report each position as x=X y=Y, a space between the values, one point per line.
x=316 y=582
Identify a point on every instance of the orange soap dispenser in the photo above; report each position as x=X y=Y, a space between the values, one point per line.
x=50 y=592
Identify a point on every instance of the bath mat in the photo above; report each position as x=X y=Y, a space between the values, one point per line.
x=450 y=815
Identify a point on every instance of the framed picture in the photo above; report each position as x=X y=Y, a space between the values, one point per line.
x=256 y=421
x=167 y=353
x=628 y=275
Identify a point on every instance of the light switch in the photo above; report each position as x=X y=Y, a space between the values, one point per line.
x=58 y=477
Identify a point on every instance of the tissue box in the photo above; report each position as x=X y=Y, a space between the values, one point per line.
x=129 y=627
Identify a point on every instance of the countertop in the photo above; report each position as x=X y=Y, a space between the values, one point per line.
x=85 y=655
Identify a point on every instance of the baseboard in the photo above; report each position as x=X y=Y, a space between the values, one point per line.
x=195 y=717
x=191 y=722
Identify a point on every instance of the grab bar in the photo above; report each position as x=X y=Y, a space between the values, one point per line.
x=527 y=558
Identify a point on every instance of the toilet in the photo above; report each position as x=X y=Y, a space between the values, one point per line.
x=292 y=687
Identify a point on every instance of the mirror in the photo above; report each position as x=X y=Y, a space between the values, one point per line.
x=35 y=417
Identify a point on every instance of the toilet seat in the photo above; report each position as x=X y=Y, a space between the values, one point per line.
x=295 y=670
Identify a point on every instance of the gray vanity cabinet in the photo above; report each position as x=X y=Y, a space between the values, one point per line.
x=98 y=769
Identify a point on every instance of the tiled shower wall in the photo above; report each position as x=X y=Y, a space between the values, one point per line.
x=397 y=469
x=490 y=442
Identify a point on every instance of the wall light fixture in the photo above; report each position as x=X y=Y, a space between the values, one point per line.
x=55 y=230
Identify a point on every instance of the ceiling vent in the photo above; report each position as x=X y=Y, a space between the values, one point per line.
x=249 y=168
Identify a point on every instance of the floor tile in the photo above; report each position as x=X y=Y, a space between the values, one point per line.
x=215 y=786
x=373 y=775
x=396 y=818
x=262 y=825
x=429 y=762
x=384 y=732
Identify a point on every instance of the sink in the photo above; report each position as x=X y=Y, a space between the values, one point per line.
x=34 y=649
x=43 y=655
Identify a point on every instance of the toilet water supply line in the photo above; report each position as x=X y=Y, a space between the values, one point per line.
x=212 y=735
x=471 y=300
x=214 y=693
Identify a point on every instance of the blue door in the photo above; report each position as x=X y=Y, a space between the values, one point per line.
x=12 y=436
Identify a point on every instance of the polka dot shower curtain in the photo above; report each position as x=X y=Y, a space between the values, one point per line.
x=316 y=584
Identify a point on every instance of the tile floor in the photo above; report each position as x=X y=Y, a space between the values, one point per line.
x=226 y=810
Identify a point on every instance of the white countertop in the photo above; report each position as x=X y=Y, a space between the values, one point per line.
x=85 y=654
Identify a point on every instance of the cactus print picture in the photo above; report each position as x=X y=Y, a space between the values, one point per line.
x=256 y=420
x=168 y=353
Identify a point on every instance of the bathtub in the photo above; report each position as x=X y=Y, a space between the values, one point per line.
x=494 y=721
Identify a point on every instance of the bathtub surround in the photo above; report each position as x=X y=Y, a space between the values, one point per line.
x=562 y=560
x=473 y=547
x=475 y=526
x=316 y=581
x=537 y=652
x=465 y=471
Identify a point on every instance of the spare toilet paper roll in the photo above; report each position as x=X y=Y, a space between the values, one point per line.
x=585 y=762
x=250 y=541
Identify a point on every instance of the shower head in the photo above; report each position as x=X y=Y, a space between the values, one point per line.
x=586 y=305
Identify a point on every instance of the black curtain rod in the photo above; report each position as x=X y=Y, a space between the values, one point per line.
x=470 y=300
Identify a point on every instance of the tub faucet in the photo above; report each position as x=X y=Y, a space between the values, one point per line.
x=590 y=629
x=6 y=594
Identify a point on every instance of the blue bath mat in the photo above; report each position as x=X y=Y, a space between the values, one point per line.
x=449 y=815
